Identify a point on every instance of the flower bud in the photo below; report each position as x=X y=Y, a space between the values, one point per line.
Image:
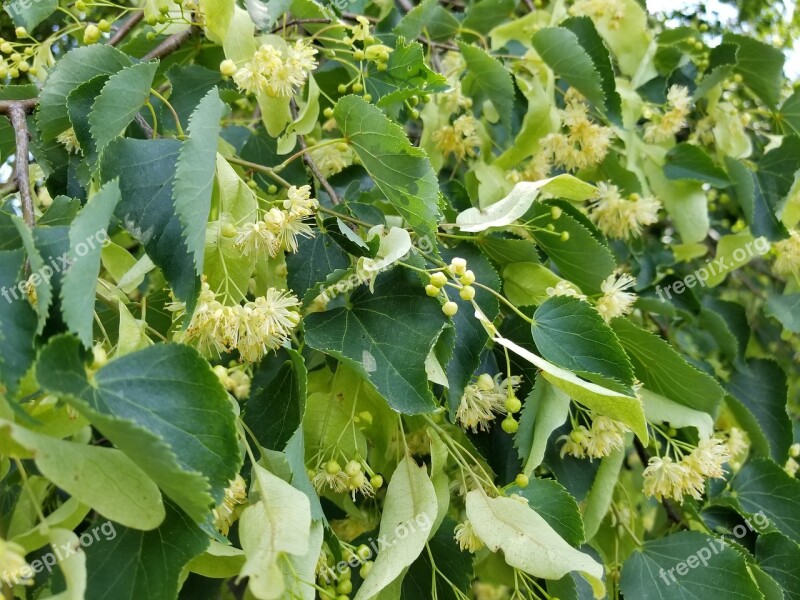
x=450 y=308
x=227 y=67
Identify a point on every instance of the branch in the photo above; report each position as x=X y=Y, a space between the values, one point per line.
x=406 y=5
x=27 y=105
x=125 y=29
x=293 y=22
x=171 y=44
x=312 y=165
x=17 y=114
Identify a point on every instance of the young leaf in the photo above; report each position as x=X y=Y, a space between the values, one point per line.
x=687 y=161
x=194 y=174
x=488 y=79
x=546 y=409
x=402 y=172
x=779 y=556
x=86 y=236
x=18 y=322
x=528 y=542
x=410 y=503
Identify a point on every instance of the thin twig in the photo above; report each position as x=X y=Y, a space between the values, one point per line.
x=28 y=105
x=171 y=44
x=125 y=29
x=294 y=22
x=312 y=165
x=17 y=115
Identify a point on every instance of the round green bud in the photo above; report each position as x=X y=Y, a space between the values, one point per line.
x=228 y=230
x=91 y=34
x=367 y=97
x=357 y=480
x=376 y=481
x=432 y=290
x=342 y=88
x=358 y=55
x=509 y=424
x=467 y=293
x=521 y=480
x=20 y=32
x=513 y=404
x=438 y=279
x=328 y=112
x=364 y=552
x=365 y=569
x=163 y=9
x=80 y=5
x=357 y=87
x=104 y=26
x=353 y=467
x=555 y=212
x=485 y=382
x=468 y=278
x=458 y=266
x=344 y=587
x=6 y=48
x=227 y=67
x=151 y=35
x=564 y=236
x=272 y=189
x=382 y=66
x=450 y=308
x=414 y=114
x=332 y=467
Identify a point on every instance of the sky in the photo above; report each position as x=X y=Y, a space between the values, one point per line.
x=726 y=12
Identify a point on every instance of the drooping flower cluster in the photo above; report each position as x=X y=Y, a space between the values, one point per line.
x=667 y=478
x=69 y=140
x=613 y=10
x=271 y=73
x=663 y=127
x=235 y=496
x=466 y=537
x=330 y=476
x=253 y=328
x=279 y=229
x=583 y=143
x=332 y=159
x=619 y=217
x=787 y=256
x=234 y=379
x=483 y=400
x=459 y=139
x=615 y=301
x=565 y=288
x=604 y=436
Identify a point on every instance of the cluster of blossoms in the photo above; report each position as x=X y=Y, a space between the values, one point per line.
x=613 y=10
x=583 y=143
x=370 y=51
x=459 y=139
x=485 y=399
x=565 y=288
x=15 y=62
x=227 y=512
x=253 y=328
x=787 y=260
x=466 y=537
x=616 y=301
x=622 y=218
x=235 y=380
x=458 y=269
x=668 y=478
x=663 y=127
x=792 y=466
x=271 y=73
x=278 y=230
x=69 y=140
x=332 y=158
x=330 y=476
x=603 y=437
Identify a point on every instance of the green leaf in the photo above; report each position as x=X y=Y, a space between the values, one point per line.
x=103 y=478
x=686 y=566
x=761 y=66
x=315 y=259
x=30 y=14
x=779 y=556
x=430 y=18
x=566 y=50
x=278 y=524
x=687 y=161
x=571 y=334
x=123 y=96
x=364 y=335
x=146 y=171
x=79 y=106
x=190 y=84
x=128 y=564
x=154 y=406
x=274 y=410
x=452 y=567
x=74 y=571
x=556 y=505
x=665 y=372
x=627 y=409
x=763 y=486
x=41 y=278
x=753 y=191
x=488 y=79
x=583 y=259
x=601 y=494
x=785 y=309
x=659 y=409
x=546 y=409
x=528 y=542
x=686 y=203
x=402 y=172
x=406 y=75
x=506 y=211
x=227 y=269
x=88 y=231
x=18 y=322
x=411 y=505
x=194 y=174
x=759 y=386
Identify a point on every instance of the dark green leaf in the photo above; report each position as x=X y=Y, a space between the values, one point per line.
x=786 y=309
x=29 y=14
x=488 y=79
x=17 y=322
x=779 y=557
x=687 y=161
x=315 y=259
x=761 y=66
x=555 y=505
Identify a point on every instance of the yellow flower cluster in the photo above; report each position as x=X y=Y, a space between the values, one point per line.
x=235 y=380
x=226 y=513
x=466 y=537
x=604 y=436
x=352 y=478
x=667 y=478
x=253 y=328
x=272 y=73
x=486 y=398
x=279 y=229
x=787 y=256
x=615 y=301
x=583 y=143
x=619 y=217
x=459 y=139
x=663 y=127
